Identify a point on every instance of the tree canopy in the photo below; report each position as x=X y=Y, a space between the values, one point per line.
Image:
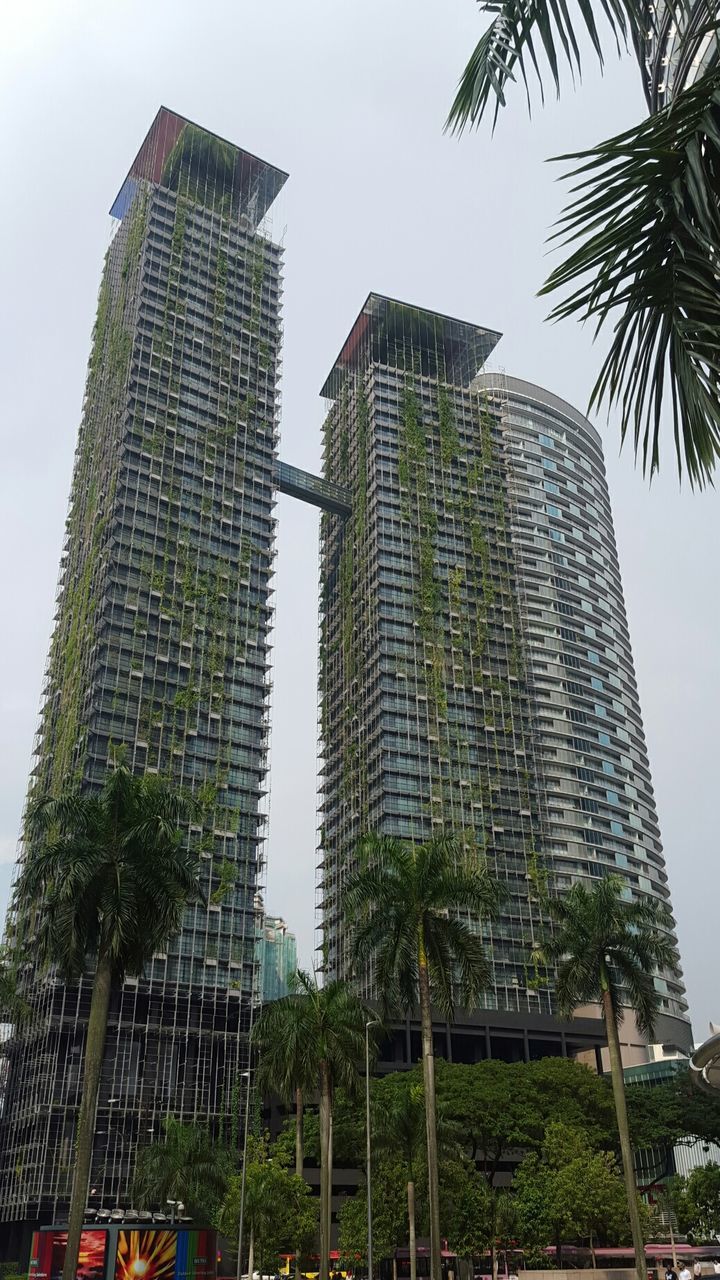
x=696 y=1201
x=188 y=1166
x=280 y=1212
x=570 y=1191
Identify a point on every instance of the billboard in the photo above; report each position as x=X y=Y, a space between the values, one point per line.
x=165 y=1255
x=48 y=1255
x=122 y=1253
x=145 y=1255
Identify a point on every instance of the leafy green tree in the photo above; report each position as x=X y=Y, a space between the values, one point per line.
x=696 y=1200
x=607 y=951
x=103 y=884
x=403 y=904
x=468 y=1207
x=691 y=1112
x=389 y=1213
x=279 y=1208
x=672 y=1114
x=187 y=1166
x=500 y=1106
x=569 y=1192
x=642 y=228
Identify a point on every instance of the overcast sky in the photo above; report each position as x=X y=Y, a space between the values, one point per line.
x=349 y=96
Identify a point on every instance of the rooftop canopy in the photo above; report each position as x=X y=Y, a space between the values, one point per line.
x=412 y=338
x=198 y=164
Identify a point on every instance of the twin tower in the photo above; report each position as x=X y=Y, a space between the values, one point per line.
x=476 y=671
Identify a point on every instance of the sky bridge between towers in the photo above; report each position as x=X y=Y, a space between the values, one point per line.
x=313 y=489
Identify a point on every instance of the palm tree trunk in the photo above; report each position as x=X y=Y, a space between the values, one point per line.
x=329 y=1182
x=325 y=1105
x=299 y=1157
x=251 y=1254
x=672 y=1232
x=299 y=1133
x=92 y=1066
x=430 y=1111
x=618 y=1084
x=411 y=1229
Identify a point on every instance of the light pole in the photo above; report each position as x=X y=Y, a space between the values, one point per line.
x=175 y=1206
x=244 y=1075
x=374 y=1022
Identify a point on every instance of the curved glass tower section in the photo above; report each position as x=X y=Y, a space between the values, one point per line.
x=590 y=752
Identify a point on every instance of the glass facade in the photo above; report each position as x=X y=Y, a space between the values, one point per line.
x=161 y=647
x=598 y=800
x=277 y=958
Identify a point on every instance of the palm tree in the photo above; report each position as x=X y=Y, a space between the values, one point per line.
x=287 y=1062
x=404 y=904
x=643 y=224
x=327 y=1029
x=400 y=1128
x=103 y=884
x=606 y=950
x=188 y=1166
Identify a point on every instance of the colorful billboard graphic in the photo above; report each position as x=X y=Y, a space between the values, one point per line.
x=146 y=1255
x=196 y=1255
x=48 y=1255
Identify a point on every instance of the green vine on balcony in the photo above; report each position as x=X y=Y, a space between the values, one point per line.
x=449 y=439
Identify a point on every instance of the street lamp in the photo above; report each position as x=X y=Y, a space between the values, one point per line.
x=374 y=1022
x=175 y=1205
x=244 y=1075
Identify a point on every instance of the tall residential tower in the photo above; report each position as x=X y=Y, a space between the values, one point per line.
x=160 y=649
x=592 y=759
x=476 y=671
x=426 y=720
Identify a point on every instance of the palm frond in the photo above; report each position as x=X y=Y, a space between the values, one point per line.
x=285 y=1043
x=523 y=33
x=643 y=997
x=403 y=890
x=106 y=873
x=600 y=939
x=643 y=228
x=470 y=961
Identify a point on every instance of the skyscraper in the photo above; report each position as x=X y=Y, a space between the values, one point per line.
x=592 y=759
x=476 y=671
x=160 y=649
x=425 y=710
x=277 y=958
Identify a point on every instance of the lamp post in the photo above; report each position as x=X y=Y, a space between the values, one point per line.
x=245 y=1075
x=368 y=1153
